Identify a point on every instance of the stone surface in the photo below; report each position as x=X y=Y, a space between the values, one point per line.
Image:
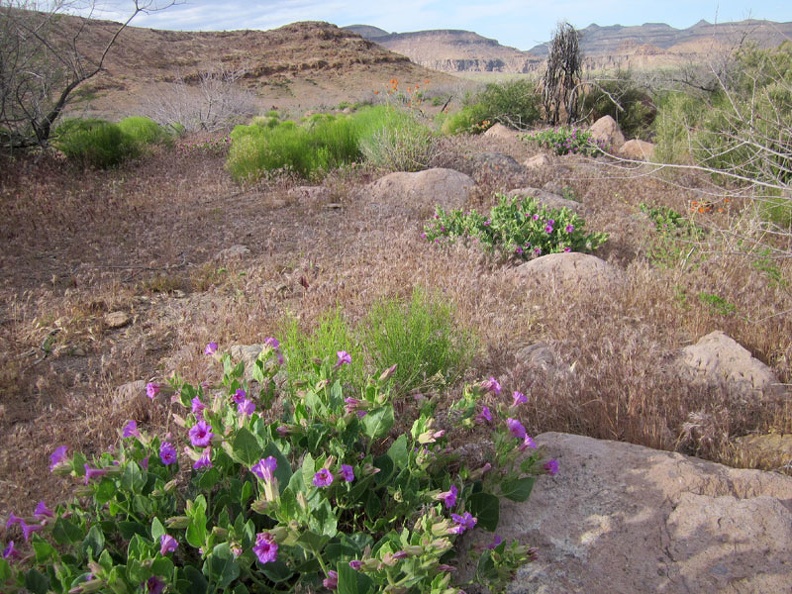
x=562 y=271
x=637 y=150
x=417 y=194
x=540 y=161
x=622 y=518
x=606 y=130
x=718 y=359
x=117 y=319
x=500 y=131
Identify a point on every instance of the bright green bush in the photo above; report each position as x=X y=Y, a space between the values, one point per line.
x=144 y=131
x=515 y=104
x=94 y=143
x=261 y=489
x=397 y=141
x=421 y=338
x=517 y=227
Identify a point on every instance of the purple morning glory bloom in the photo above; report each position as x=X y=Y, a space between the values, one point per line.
x=201 y=434
x=42 y=511
x=154 y=585
x=92 y=473
x=265 y=468
x=449 y=498
x=130 y=430
x=323 y=478
x=551 y=467
x=239 y=396
x=266 y=548
x=197 y=406
x=536 y=217
x=152 y=389
x=211 y=348
x=10 y=552
x=570 y=228
x=519 y=398
x=168 y=544
x=463 y=522
x=246 y=407
x=356 y=564
x=347 y=473
x=485 y=415
x=516 y=428
x=58 y=456
x=167 y=453
x=205 y=459
x=272 y=342
x=13 y=519
x=344 y=358
x=331 y=581
x=495 y=542
x=492 y=385
x=548 y=229
x=528 y=442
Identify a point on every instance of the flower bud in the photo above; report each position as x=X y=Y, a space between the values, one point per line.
x=178 y=522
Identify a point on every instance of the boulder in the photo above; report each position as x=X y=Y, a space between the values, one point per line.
x=418 y=193
x=117 y=319
x=624 y=518
x=717 y=359
x=500 y=131
x=565 y=271
x=637 y=150
x=607 y=132
x=540 y=161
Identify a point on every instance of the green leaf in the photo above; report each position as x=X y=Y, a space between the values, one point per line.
x=398 y=452
x=36 y=582
x=139 y=548
x=486 y=508
x=45 y=552
x=130 y=529
x=207 y=479
x=66 y=532
x=132 y=480
x=385 y=464
x=105 y=491
x=245 y=448
x=93 y=543
x=157 y=529
x=277 y=571
x=221 y=567
x=196 y=529
x=5 y=570
x=377 y=423
x=136 y=571
x=312 y=541
x=323 y=520
x=353 y=582
x=198 y=583
x=518 y=489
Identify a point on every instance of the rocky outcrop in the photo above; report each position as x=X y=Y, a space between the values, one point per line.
x=625 y=518
x=563 y=271
x=417 y=194
x=607 y=133
x=637 y=150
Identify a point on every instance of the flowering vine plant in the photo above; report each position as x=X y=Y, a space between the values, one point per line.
x=283 y=484
x=516 y=227
x=569 y=141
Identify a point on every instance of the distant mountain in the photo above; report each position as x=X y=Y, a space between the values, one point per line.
x=647 y=46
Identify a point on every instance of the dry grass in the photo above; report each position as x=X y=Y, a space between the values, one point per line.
x=143 y=239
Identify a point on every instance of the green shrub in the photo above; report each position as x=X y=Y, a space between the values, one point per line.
x=568 y=141
x=632 y=107
x=94 y=143
x=676 y=236
x=515 y=104
x=144 y=131
x=260 y=489
x=419 y=337
x=679 y=114
x=517 y=227
x=398 y=143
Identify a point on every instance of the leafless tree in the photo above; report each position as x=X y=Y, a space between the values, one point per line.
x=45 y=56
x=561 y=81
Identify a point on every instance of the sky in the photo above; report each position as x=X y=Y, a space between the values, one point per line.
x=516 y=23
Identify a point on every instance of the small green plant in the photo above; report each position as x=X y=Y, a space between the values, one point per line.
x=676 y=236
x=568 y=141
x=717 y=304
x=400 y=143
x=513 y=103
x=144 y=131
x=323 y=491
x=517 y=227
x=420 y=338
x=94 y=143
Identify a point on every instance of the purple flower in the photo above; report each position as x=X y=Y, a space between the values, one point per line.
x=144 y=463
x=152 y=389
x=167 y=453
x=492 y=385
x=519 y=398
x=518 y=250
x=13 y=519
x=331 y=581
x=551 y=467
x=239 y=396
x=265 y=468
x=548 y=229
x=344 y=358
x=356 y=564
x=201 y=434
x=272 y=342
x=538 y=251
x=42 y=511
x=130 y=430
x=354 y=405
x=567 y=250
x=197 y=406
x=570 y=228
x=154 y=585
x=92 y=473
x=58 y=456
x=266 y=548
x=449 y=498
x=246 y=407
x=495 y=542
x=323 y=478
x=347 y=473
x=463 y=522
x=168 y=544
x=536 y=217
x=204 y=460
x=528 y=442
x=211 y=348
x=10 y=552
x=516 y=428
x=485 y=415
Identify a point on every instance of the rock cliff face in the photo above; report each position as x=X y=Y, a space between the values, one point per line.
x=646 y=46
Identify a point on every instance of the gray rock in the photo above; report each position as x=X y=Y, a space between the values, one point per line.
x=540 y=161
x=418 y=193
x=117 y=319
x=562 y=271
x=498 y=130
x=622 y=518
